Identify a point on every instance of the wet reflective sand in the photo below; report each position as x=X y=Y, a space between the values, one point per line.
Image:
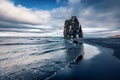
x=98 y=63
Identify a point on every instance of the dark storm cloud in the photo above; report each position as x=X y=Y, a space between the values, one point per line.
x=104 y=11
x=104 y=6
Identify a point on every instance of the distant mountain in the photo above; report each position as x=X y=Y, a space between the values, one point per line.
x=116 y=36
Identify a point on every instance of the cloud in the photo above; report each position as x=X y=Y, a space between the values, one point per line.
x=57 y=1
x=97 y=17
x=21 y=15
x=74 y=2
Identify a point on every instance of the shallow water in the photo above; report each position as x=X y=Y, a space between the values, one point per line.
x=35 y=58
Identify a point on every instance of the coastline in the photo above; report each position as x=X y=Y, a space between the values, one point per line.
x=103 y=67
x=112 y=43
x=34 y=59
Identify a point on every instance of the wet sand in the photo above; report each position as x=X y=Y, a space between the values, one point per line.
x=103 y=66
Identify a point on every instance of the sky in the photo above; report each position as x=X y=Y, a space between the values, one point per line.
x=45 y=18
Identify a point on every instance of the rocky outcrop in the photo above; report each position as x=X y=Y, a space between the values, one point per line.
x=72 y=28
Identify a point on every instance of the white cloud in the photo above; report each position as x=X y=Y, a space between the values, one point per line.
x=19 y=14
x=91 y=20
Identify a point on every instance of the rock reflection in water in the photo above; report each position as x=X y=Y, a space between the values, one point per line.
x=75 y=51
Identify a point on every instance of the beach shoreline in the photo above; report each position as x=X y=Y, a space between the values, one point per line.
x=33 y=58
x=112 y=43
x=110 y=71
